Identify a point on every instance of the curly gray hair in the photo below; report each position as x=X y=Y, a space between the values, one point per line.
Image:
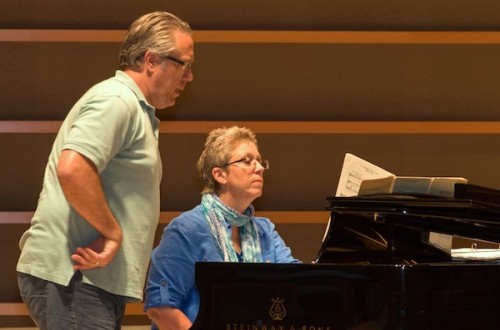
x=218 y=148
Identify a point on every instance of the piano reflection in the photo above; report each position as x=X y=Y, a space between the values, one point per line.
x=375 y=269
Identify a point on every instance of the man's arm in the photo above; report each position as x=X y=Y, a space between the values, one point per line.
x=167 y=318
x=83 y=189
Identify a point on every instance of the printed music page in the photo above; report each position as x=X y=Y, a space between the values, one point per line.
x=476 y=254
x=360 y=178
x=354 y=171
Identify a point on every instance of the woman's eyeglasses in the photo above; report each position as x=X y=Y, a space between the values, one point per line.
x=249 y=162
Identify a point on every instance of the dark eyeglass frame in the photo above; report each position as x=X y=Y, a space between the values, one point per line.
x=248 y=162
x=185 y=65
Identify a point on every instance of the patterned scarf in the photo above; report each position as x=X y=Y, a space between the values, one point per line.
x=215 y=212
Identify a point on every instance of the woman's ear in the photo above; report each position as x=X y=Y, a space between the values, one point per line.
x=219 y=175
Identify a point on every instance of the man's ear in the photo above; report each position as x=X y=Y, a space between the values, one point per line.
x=150 y=60
x=219 y=175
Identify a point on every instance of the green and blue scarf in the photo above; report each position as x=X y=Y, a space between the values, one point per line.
x=216 y=212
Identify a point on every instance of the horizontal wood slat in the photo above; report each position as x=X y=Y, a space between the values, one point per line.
x=290 y=37
x=13 y=309
x=295 y=127
x=284 y=217
x=19 y=309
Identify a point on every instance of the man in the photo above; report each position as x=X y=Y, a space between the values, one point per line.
x=87 y=251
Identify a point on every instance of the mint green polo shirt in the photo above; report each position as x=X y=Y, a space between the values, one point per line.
x=114 y=126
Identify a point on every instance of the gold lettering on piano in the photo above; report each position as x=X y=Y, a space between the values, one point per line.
x=278 y=313
x=245 y=326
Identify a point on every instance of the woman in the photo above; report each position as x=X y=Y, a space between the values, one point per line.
x=222 y=228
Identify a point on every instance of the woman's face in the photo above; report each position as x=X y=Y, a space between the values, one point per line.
x=245 y=178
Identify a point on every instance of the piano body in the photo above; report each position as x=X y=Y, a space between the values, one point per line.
x=375 y=270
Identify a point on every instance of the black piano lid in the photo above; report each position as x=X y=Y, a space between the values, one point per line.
x=453 y=209
x=460 y=217
x=469 y=202
x=473 y=213
x=395 y=228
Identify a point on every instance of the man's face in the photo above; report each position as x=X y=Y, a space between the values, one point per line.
x=169 y=78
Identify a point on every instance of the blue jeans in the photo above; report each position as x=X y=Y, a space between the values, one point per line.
x=77 y=306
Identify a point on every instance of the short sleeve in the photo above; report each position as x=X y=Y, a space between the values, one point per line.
x=100 y=129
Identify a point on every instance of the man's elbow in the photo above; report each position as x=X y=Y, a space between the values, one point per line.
x=66 y=164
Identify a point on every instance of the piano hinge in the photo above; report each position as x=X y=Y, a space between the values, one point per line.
x=377 y=217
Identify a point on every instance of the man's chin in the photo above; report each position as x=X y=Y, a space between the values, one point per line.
x=165 y=106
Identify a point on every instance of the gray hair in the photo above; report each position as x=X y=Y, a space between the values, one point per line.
x=218 y=149
x=154 y=32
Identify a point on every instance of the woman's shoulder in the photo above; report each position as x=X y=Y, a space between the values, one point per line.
x=191 y=217
x=264 y=223
x=195 y=211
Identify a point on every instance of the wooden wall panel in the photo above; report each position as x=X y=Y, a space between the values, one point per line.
x=297 y=82
x=260 y=14
x=304 y=167
x=42 y=81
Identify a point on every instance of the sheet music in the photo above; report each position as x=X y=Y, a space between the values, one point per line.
x=476 y=254
x=360 y=177
x=354 y=171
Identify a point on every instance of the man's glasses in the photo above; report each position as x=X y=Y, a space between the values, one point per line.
x=185 y=65
x=250 y=162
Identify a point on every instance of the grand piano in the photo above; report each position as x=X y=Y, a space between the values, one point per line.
x=376 y=269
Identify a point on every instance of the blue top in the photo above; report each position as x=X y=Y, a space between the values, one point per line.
x=187 y=240
x=114 y=126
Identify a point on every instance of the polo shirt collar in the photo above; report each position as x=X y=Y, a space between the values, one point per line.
x=130 y=83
